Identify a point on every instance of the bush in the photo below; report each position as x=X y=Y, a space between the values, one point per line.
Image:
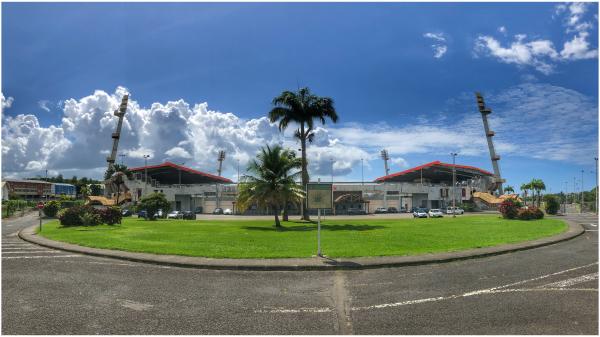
x=530 y=213
x=468 y=207
x=51 y=208
x=152 y=203
x=73 y=216
x=552 y=204
x=90 y=219
x=509 y=208
x=110 y=215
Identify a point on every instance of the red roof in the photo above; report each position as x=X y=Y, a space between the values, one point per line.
x=183 y=168
x=433 y=163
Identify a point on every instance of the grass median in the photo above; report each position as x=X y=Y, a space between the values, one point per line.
x=339 y=238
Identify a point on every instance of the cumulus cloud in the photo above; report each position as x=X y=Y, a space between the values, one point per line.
x=439 y=46
x=541 y=53
x=6 y=102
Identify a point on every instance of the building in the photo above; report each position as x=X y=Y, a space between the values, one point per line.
x=68 y=190
x=428 y=185
x=27 y=189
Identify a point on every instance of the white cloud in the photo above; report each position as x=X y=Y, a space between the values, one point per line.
x=178 y=152
x=400 y=162
x=44 y=105
x=439 y=46
x=6 y=102
x=502 y=30
x=578 y=48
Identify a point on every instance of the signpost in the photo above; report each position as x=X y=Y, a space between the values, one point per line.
x=40 y=205
x=319 y=196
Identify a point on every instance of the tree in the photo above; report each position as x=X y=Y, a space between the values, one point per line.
x=152 y=203
x=270 y=182
x=85 y=191
x=524 y=188
x=509 y=189
x=117 y=168
x=302 y=108
x=292 y=163
x=538 y=186
x=552 y=204
x=95 y=189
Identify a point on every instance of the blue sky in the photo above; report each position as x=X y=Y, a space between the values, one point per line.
x=402 y=76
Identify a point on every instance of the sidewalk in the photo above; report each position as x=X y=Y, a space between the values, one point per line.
x=315 y=263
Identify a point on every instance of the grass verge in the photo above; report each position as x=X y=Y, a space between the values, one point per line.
x=339 y=238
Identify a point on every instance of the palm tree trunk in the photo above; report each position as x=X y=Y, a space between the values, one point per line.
x=277 y=223
x=305 y=215
x=285 y=212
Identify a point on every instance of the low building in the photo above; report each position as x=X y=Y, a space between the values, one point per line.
x=27 y=189
x=60 y=189
x=428 y=185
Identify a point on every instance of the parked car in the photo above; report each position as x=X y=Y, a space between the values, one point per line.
x=198 y=210
x=218 y=211
x=228 y=211
x=403 y=210
x=420 y=213
x=126 y=212
x=356 y=211
x=141 y=214
x=174 y=215
x=187 y=215
x=381 y=210
x=435 y=213
x=457 y=210
x=159 y=214
x=392 y=210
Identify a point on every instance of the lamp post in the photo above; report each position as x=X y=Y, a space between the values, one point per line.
x=453 y=154
x=146 y=156
x=362 y=171
x=581 y=207
x=332 y=170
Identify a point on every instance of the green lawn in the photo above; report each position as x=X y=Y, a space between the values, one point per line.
x=340 y=238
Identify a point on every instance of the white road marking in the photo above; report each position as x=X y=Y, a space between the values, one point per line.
x=32 y=251
x=499 y=289
x=591 y=230
x=21 y=248
x=593 y=225
x=38 y=257
x=292 y=311
x=571 y=281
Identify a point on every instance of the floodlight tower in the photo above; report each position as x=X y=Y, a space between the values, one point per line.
x=120 y=112
x=220 y=159
x=489 y=134
x=385 y=156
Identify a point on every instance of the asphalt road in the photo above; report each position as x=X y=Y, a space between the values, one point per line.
x=548 y=290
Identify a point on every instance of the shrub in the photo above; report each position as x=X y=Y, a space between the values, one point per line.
x=90 y=219
x=110 y=215
x=468 y=207
x=552 y=204
x=530 y=213
x=73 y=216
x=51 y=208
x=152 y=203
x=509 y=208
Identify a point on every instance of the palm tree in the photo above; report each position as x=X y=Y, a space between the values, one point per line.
x=508 y=189
x=525 y=187
x=116 y=173
x=539 y=186
x=272 y=184
x=292 y=163
x=303 y=108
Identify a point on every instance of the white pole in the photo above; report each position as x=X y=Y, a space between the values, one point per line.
x=319 y=230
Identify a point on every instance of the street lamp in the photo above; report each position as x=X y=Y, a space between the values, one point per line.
x=146 y=156
x=332 y=170
x=454 y=154
x=362 y=171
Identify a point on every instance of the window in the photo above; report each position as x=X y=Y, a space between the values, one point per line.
x=464 y=192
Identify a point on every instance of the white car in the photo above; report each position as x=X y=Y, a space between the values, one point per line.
x=457 y=210
x=227 y=211
x=174 y=215
x=435 y=213
x=420 y=213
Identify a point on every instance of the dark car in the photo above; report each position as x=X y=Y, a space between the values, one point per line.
x=198 y=210
x=187 y=215
x=142 y=214
x=392 y=210
x=126 y=212
x=218 y=211
x=356 y=211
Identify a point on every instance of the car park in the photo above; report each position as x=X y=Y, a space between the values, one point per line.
x=420 y=213
x=218 y=211
x=435 y=213
x=381 y=210
x=174 y=215
x=392 y=210
x=457 y=210
x=188 y=215
x=356 y=211
x=228 y=211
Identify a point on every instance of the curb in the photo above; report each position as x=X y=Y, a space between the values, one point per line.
x=291 y=264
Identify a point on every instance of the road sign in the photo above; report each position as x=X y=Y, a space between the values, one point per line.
x=40 y=205
x=319 y=196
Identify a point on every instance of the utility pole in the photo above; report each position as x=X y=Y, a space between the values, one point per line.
x=221 y=158
x=332 y=170
x=362 y=171
x=565 y=199
x=146 y=156
x=454 y=154
x=489 y=134
x=385 y=156
x=581 y=208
